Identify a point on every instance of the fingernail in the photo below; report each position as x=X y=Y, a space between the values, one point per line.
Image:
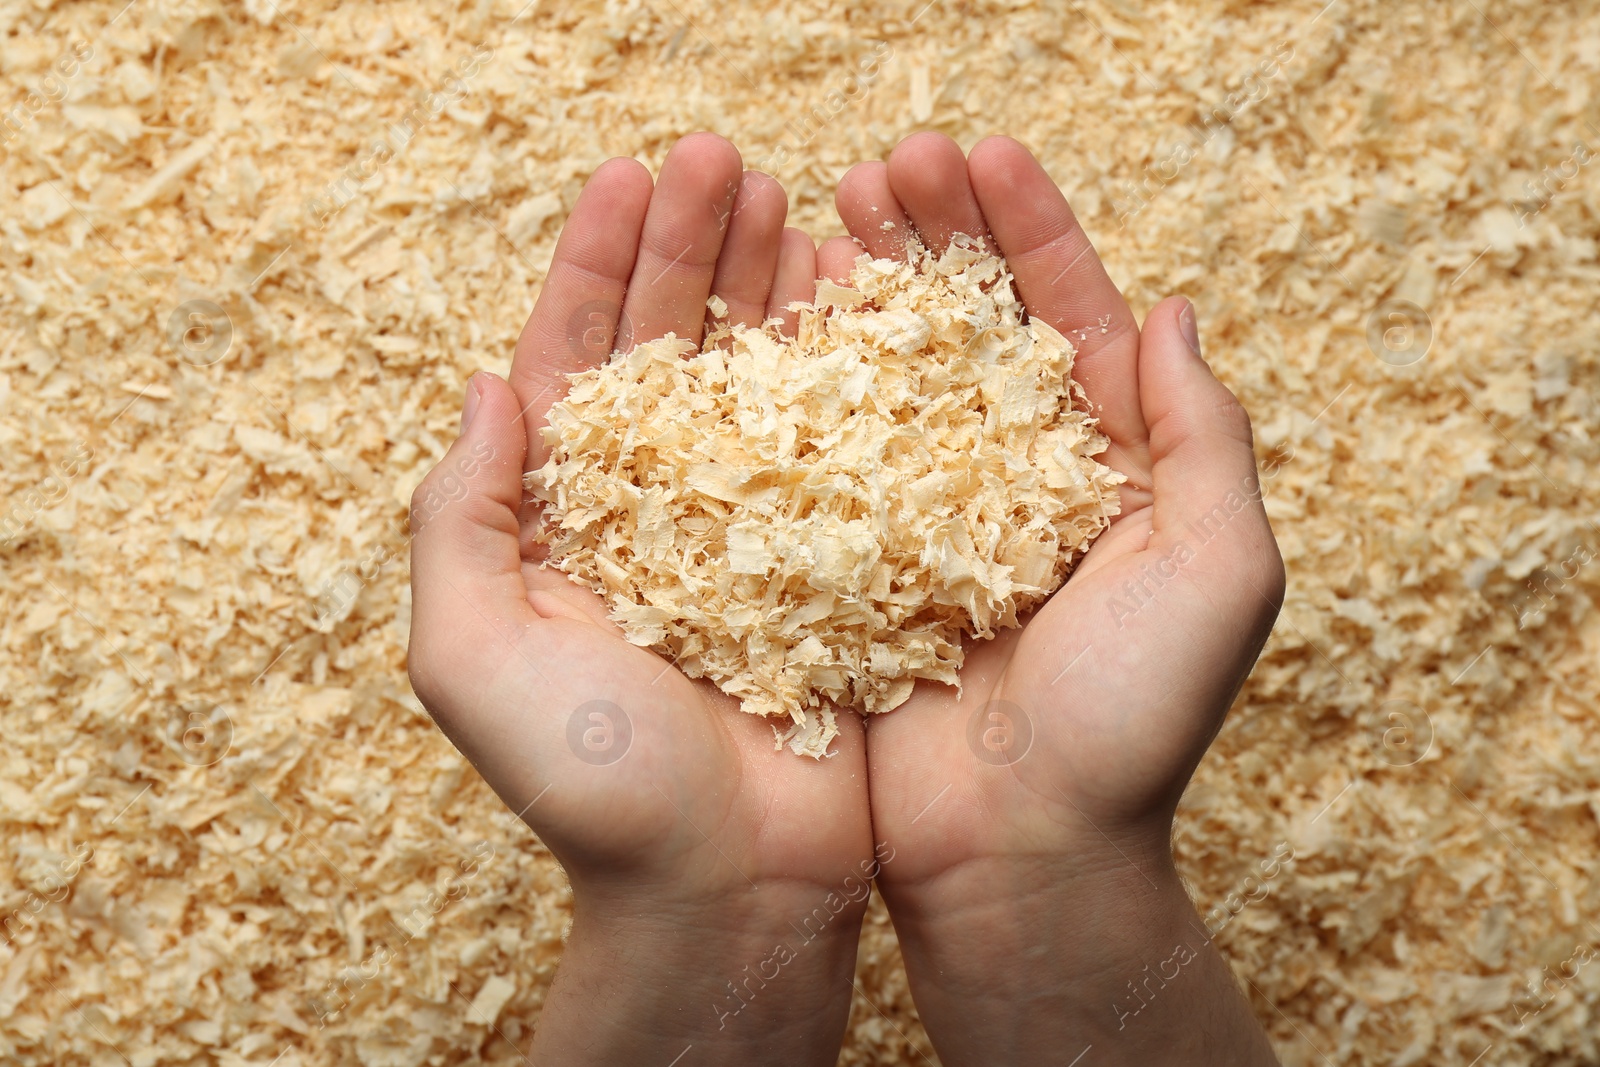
x=1189 y=327
x=469 y=407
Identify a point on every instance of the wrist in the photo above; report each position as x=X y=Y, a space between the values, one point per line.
x=1091 y=907
x=762 y=976
x=1034 y=959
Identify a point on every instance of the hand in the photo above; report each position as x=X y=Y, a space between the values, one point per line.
x=692 y=845
x=1035 y=873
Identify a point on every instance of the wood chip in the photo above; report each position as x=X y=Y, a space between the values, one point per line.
x=820 y=522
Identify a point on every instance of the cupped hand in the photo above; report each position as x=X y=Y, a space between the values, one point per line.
x=1080 y=729
x=652 y=789
x=1033 y=889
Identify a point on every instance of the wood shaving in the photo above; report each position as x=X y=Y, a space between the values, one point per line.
x=164 y=555
x=821 y=521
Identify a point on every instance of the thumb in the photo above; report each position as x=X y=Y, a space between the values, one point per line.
x=467 y=590
x=1207 y=494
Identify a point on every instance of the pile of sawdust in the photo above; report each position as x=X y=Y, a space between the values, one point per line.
x=193 y=540
x=822 y=520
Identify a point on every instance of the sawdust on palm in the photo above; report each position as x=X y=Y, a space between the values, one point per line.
x=821 y=521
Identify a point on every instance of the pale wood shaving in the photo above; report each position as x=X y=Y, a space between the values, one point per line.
x=1431 y=518
x=821 y=521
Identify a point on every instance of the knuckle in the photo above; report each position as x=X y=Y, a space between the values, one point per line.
x=679 y=247
x=419 y=675
x=447 y=485
x=424 y=672
x=426 y=489
x=1233 y=419
x=1271 y=577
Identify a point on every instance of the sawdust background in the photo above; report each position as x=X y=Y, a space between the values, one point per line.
x=175 y=530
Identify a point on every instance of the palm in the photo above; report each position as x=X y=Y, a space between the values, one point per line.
x=649 y=771
x=630 y=767
x=1090 y=696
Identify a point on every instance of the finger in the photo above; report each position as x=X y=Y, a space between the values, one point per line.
x=574 y=321
x=1062 y=281
x=836 y=257
x=1207 y=492
x=681 y=241
x=796 y=279
x=466 y=569
x=744 y=272
x=869 y=210
x=928 y=174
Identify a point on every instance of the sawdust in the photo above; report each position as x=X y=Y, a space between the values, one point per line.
x=821 y=521
x=203 y=566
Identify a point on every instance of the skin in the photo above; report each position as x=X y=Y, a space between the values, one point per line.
x=1032 y=886
x=1060 y=854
